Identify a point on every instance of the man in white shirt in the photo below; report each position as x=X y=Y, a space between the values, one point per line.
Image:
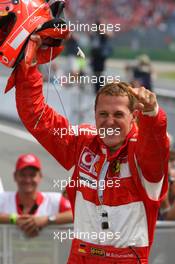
x=29 y=209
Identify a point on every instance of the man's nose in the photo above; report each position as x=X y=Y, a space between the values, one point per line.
x=27 y=179
x=110 y=120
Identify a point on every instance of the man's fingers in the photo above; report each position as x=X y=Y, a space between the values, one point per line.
x=152 y=98
x=36 y=38
x=25 y=223
x=134 y=91
x=142 y=94
x=30 y=228
x=139 y=106
x=146 y=100
x=31 y=50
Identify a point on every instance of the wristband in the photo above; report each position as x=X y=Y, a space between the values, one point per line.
x=13 y=219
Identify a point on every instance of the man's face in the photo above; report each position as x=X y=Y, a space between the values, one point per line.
x=112 y=114
x=28 y=179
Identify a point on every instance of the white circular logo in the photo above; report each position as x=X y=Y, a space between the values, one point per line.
x=87 y=158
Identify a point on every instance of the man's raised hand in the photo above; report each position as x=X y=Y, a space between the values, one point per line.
x=146 y=100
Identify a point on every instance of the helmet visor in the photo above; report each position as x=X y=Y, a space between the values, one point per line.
x=6 y=25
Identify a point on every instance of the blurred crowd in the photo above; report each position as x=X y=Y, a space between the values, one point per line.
x=129 y=14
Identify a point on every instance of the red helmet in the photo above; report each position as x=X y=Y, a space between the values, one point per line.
x=19 y=19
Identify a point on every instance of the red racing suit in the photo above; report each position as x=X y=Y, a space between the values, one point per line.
x=128 y=185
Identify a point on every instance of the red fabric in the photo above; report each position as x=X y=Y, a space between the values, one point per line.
x=151 y=206
x=28 y=160
x=43 y=56
x=64 y=205
x=151 y=149
x=38 y=202
x=11 y=82
x=152 y=141
x=86 y=253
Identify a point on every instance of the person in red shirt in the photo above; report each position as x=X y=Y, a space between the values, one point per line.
x=28 y=208
x=120 y=169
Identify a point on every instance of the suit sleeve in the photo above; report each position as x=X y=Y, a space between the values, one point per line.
x=152 y=149
x=31 y=106
x=64 y=205
x=152 y=153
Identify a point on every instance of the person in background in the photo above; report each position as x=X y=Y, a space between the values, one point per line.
x=99 y=52
x=142 y=73
x=28 y=208
x=71 y=49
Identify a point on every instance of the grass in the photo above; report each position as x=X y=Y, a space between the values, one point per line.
x=167 y=75
x=158 y=54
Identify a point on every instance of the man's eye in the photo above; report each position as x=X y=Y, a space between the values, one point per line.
x=119 y=115
x=103 y=114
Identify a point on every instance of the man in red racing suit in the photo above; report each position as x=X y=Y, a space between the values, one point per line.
x=120 y=174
